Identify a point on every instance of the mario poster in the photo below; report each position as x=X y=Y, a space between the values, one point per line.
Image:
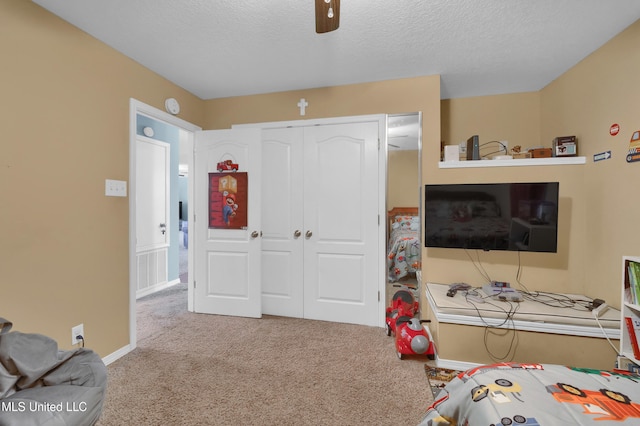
x=228 y=200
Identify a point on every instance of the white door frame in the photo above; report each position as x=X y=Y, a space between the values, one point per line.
x=136 y=107
x=382 y=183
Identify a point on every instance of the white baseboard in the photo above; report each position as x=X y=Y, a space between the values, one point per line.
x=116 y=355
x=149 y=290
x=454 y=365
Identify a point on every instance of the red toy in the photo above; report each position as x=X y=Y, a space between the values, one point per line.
x=402 y=304
x=412 y=338
x=401 y=321
x=227 y=165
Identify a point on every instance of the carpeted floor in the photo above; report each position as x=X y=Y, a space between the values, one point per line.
x=194 y=369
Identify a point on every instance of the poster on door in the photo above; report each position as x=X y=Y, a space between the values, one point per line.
x=228 y=195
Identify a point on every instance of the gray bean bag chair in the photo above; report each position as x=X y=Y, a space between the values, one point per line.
x=41 y=385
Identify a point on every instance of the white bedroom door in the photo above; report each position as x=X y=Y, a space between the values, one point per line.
x=227 y=231
x=341 y=223
x=152 y=215
x=282 y=222
x=152 y=193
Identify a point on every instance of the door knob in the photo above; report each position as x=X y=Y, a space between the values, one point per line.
x=254 y=234
x=297 y=233
x=308 y=234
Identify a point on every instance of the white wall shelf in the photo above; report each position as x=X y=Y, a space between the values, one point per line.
x=630 y=308
x=553 y=161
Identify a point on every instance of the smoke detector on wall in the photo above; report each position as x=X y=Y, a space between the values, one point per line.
x=172 y=106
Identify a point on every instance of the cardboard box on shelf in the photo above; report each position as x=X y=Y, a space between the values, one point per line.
x=540 y=153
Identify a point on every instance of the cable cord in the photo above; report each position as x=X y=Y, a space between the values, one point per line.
x=605 y=335
x=550 y=299
x=478 y=266
x=563 y=300
x=502 y=329
x=546 y=298
x=504 y=148
x=511 y=350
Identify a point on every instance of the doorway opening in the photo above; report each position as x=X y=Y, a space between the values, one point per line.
x=404 y=195
x=183 y=212
x=176 y=132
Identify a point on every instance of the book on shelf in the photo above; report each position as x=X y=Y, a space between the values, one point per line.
x=633 y=329
x=635 y=266
x=629 y=292
x=633 y=292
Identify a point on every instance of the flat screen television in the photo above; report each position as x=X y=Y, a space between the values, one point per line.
x=492 y=216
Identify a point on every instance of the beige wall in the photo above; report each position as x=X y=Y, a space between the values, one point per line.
x=597 y=209
x=598 y=205
x=65 y=129
x=403 y=188
x=385 y=97
x=515 y=118
x=64 y=256
x=601 y=90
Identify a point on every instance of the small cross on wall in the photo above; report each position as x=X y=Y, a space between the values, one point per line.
x=303 y=104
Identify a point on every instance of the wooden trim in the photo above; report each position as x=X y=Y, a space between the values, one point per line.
x=401 y=211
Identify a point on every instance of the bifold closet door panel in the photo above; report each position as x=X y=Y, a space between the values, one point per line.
x=341 y=222
x=282 y=222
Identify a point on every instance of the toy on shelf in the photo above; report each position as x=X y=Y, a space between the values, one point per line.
x=402 y=322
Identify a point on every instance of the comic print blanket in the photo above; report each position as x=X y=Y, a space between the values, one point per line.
x=537 y=394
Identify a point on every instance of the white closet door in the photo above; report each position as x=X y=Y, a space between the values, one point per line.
x=282 y=209
x=341 y=223
x=227 y=256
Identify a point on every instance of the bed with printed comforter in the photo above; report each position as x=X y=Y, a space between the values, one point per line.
x=537 y=394
x=403 y=255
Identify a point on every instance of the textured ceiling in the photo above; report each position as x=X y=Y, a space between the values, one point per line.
x=222 y=48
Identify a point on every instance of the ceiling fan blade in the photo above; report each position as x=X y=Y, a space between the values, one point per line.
x=324 y=24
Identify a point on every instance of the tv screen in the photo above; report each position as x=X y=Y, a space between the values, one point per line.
x=492 y=216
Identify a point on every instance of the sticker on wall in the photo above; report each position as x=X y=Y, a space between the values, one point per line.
x=228 y=194
x=634 y=148
x=602 y=156
x=614 y=129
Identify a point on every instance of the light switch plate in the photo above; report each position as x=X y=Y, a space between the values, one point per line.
x=115 y=188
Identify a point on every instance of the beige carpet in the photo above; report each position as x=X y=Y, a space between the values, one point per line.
x=194 y=369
